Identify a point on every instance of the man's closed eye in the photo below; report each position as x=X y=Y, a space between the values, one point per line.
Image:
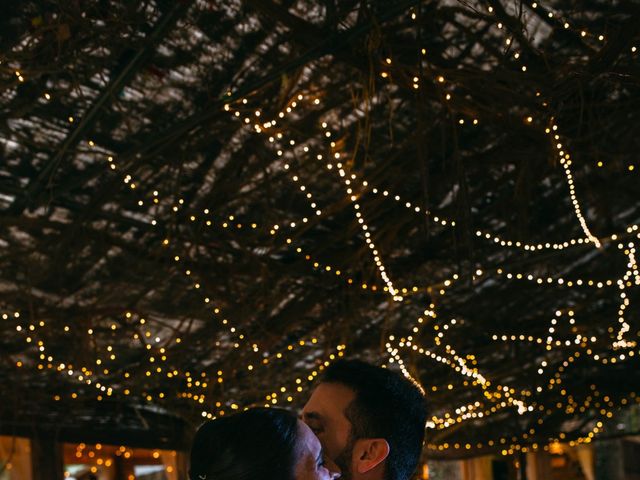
x=316 y=429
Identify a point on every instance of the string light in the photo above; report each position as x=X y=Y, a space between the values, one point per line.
x=370 y=243
x=381 y=268
x=468 y=412
x=565 y=161
x=274 y=398
x=452 y=359
x=177 y=258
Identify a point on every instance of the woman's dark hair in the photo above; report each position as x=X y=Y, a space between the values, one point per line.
x=255 y=444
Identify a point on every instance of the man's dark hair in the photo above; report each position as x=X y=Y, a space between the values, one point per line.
x=386 y=405
x=259 y=443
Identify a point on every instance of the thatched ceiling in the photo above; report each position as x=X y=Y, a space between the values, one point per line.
x=169 y=247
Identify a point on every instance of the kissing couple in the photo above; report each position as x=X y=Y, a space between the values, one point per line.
x=362 y=422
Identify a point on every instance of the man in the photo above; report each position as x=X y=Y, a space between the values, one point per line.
x=369 y=420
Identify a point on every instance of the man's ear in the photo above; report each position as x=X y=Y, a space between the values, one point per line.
x=370 y=452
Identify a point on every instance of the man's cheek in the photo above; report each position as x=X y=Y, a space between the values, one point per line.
x=333 y=447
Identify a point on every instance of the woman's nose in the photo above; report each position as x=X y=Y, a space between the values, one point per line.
x=334 y=470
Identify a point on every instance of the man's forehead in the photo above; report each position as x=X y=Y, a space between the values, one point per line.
x=328 y=397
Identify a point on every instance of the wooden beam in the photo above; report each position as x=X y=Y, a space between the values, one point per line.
x=32 y=192
x=46 y=456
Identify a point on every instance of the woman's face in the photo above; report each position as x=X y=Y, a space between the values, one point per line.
x=311 y=463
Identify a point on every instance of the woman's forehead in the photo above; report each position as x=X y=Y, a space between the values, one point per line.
x=308 y=440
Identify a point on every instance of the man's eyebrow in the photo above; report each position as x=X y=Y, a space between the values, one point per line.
x=312 y=415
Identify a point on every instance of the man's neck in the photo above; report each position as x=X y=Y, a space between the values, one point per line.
x=377 y=473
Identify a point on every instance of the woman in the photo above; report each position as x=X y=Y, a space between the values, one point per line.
x=258 y=444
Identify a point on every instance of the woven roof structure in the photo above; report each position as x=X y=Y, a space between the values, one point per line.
x=205 y=203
